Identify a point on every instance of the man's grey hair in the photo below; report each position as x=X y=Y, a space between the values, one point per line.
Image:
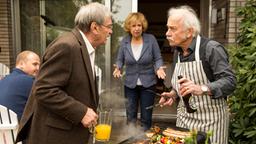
x=189 y=17
x=92 y=12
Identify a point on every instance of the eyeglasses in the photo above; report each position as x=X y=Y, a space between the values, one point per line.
x=108 y=26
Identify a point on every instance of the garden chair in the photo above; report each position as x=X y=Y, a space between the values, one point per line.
x=8 y=126
x=4 y=70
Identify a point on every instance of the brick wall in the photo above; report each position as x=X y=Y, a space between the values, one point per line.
x=225 y=31
x=219 y=30
x=6 y=52
x=234 y=20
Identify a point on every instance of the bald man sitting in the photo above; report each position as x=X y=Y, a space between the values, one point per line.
x=15 y=87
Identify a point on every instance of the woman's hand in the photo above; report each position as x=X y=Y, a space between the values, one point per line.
x=161 y=73
x=117 y=72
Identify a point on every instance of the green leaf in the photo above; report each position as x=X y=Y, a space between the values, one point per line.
x=242 y=71
x=250 y=105
x=252 y=111
x=238 y=132
x=250 y=134
x=236 y=125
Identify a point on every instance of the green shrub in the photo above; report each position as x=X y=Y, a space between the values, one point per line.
x=243 y=59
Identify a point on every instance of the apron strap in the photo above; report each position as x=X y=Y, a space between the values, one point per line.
x=198 y=40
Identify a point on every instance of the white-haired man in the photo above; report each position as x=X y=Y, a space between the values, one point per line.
x=207 y=76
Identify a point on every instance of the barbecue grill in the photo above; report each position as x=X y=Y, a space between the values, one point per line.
x=143 y=139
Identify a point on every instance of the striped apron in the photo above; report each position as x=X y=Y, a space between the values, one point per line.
x=212 y=114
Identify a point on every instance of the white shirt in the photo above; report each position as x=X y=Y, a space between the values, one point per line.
x=136 y=50
x=90 y=49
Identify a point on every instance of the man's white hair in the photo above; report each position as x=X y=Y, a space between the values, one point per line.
x=92 y=12
x=189 y=17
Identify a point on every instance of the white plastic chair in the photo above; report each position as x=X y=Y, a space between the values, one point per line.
x=8 y=126
x=4 y=70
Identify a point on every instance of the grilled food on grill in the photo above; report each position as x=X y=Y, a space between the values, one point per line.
x=176 y=133
x=161 y=139
x=153 y=131
x=168 y=136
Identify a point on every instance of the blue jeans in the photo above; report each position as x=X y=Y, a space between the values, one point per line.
x=139 y=96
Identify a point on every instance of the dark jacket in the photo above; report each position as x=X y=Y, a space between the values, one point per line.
x=14 y=90
x=63 y=90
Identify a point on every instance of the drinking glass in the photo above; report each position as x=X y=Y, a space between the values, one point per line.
x=103 y=128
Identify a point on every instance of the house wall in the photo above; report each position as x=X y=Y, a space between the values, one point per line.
x=234 y=21
x=6 y=40
x=225 y=30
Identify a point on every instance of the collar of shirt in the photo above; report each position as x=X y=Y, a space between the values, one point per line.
x=191 y=47
x=18 y=70
x=90 y=49
x=87 y=43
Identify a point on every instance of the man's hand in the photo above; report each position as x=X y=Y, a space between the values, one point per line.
x=90 y=118
x=189 y=87
x=167 y=101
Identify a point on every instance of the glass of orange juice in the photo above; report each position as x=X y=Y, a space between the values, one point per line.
x=104 y=125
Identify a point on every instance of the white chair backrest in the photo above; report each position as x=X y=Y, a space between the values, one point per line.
x=4 y=70
x=98 y=73
x=8 y=126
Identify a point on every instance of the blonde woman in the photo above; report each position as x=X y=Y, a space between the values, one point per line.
x=141 y=55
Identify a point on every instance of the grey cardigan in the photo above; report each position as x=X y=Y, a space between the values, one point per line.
x=145 y=68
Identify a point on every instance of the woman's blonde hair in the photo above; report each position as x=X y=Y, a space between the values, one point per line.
x=133 y=17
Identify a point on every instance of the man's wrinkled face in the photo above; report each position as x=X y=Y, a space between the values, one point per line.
x=176 y=33
x=106 y=30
